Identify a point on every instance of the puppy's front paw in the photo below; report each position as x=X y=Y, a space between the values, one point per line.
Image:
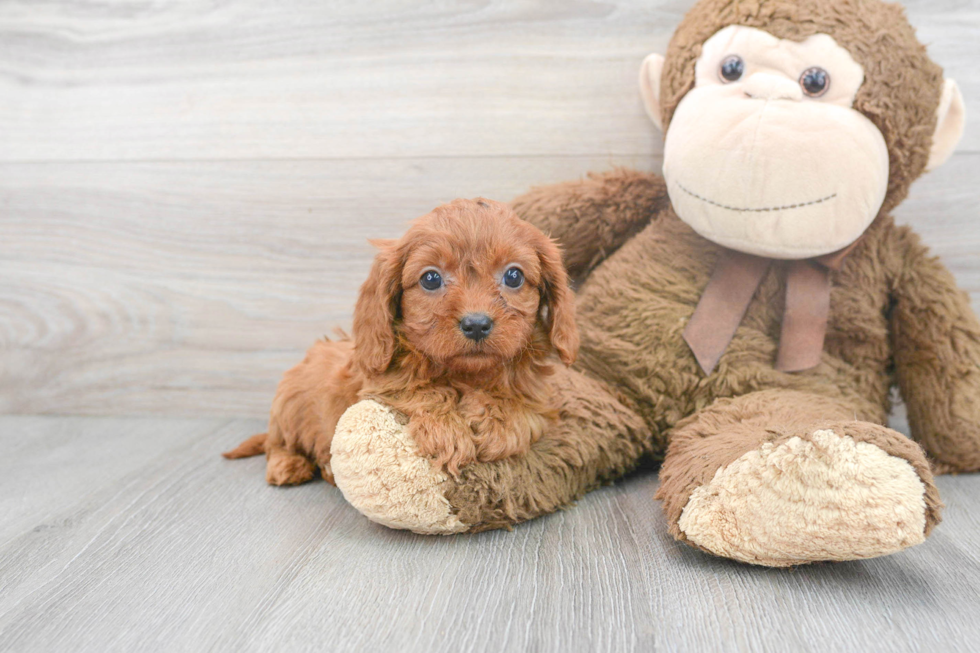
x=378 y=467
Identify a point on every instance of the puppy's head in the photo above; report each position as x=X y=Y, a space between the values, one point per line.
x=469 y=286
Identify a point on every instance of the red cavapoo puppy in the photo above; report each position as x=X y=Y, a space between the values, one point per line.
x=455 y=327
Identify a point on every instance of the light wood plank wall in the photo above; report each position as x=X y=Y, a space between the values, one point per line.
x=186 y=188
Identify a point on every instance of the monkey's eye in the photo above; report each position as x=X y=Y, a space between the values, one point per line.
x=732 y=68
x=513 y=278
x=815 y=81
x=431 y=280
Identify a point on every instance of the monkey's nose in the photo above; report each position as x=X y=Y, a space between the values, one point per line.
x=476 y=326
x=766 y=86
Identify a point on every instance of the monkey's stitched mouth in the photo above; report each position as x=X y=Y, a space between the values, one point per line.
x=750 y=210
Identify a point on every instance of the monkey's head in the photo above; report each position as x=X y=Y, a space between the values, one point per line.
x=791 y=125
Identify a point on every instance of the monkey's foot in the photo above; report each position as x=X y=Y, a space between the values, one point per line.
x=823 y=496
x=379 y=469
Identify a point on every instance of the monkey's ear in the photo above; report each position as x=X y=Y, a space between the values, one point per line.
x=650 y=71
x=949 y=126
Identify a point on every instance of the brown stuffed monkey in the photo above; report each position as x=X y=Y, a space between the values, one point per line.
x=745 y=316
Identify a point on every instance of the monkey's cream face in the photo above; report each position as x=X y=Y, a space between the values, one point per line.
x=766 y=155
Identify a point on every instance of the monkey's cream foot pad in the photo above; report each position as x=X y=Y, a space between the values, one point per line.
x=381 y=473
x=826 y=497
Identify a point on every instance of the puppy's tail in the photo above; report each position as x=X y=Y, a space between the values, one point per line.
x=254 y=446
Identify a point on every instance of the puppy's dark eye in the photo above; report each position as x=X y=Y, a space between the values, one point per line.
x=732 y=68
x=431 y=280
x=815 y=81
x=513 y=278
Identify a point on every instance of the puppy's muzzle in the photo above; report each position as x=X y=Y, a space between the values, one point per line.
x=476 y=326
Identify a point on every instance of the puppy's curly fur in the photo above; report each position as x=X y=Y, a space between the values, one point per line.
x=467 y=399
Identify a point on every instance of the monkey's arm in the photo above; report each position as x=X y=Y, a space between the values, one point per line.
x=936 y=345
x=592 y=217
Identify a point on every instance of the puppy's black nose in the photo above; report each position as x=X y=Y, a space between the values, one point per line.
x=476 y=326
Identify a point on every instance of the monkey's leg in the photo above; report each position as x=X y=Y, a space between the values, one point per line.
x=597 y=438
x=782 y=478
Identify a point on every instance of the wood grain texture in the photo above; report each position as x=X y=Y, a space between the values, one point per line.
x=186 y=191
x=189 y=287
x=186 y=188
x=123 y=534
x=246 y=79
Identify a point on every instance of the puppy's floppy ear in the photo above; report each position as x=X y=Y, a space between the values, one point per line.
x=376 y=310
x=559 y=300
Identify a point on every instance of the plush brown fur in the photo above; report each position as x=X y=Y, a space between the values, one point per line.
x=896 y=313
x=645 y=381
x=466 y=401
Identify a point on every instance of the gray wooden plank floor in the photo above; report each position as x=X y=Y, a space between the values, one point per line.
x=132 y=534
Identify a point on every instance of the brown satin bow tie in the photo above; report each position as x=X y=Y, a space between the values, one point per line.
x=726 y=299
